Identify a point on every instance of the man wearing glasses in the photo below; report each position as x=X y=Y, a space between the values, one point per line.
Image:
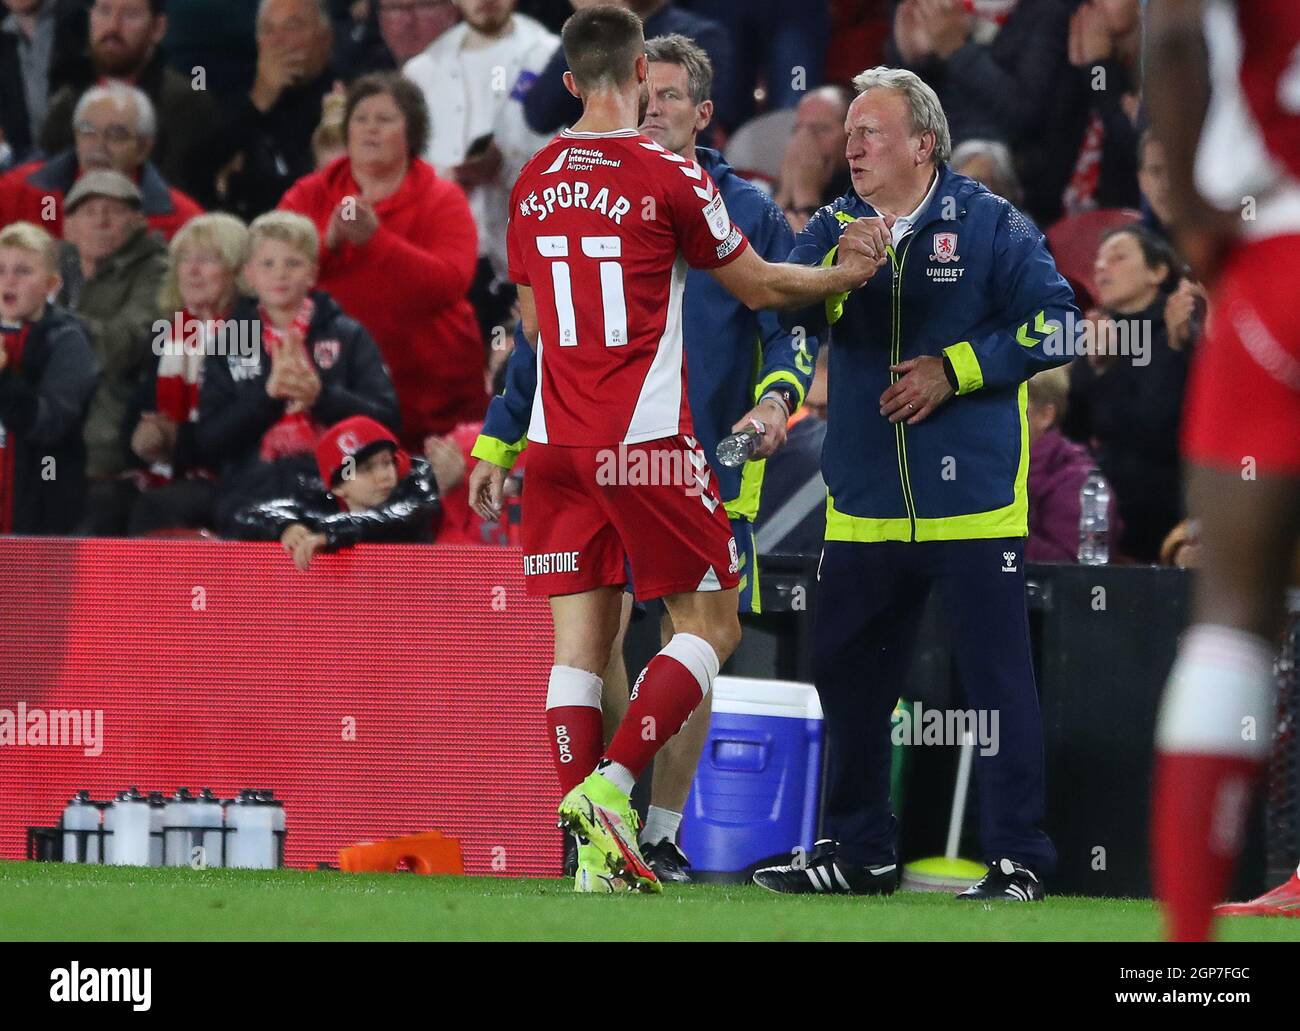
x=125 y=46
x=115 y=127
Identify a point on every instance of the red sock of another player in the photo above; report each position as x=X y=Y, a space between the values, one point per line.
x=573 y=716
x=670 y=687
x=1200 y=807
x=1215 y=723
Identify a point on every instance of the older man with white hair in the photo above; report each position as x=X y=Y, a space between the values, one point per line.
x=925 y=459
x=115 y=128
x=125 y=45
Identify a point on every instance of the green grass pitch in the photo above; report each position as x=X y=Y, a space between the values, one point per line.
x=54 y=902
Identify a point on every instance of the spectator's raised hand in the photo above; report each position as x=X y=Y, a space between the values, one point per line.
x=334 y=104
x=910 y=35
x=482 y=168
x=1101 y=328
x=447 y=461
x=353 y=221
x=948 y=25
x=1090 y=40
x=278 y=68
x=1180 y=311
x=300 y=380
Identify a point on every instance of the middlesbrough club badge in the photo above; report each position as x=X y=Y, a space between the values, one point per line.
x=945 y=247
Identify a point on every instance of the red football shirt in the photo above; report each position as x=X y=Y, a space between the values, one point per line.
x=602 y=228
x=1270 y=74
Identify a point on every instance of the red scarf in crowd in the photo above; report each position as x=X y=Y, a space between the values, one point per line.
x=1081 y=191
x=180 y=369
x=15 y=340
x=176 y=394
x=295 y=432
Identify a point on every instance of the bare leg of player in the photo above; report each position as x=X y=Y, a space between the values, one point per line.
x=1217 y=714
x=614 y=696
x=586 y=626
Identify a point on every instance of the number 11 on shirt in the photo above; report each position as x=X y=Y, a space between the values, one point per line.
x=600 y=248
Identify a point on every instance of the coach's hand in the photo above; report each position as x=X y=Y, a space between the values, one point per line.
x=864 y=244
x=920 y=389
x=868 y=237
x=485 y=487
x=771 y=416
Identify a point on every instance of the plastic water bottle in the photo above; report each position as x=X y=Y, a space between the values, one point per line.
x=127 y=821
x=178 y=817
x=252 y=823
x=81 y=830
x=736 y=450
x=1094 y=520
x=277 y=824
x=157 y=822
x=210 y=815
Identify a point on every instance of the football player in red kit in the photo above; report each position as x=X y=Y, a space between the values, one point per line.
x=1232 y=135
x=603 y=224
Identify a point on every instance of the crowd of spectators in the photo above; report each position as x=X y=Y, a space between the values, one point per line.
x=182 y=369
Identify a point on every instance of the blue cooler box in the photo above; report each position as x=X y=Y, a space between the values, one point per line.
x=757 y=791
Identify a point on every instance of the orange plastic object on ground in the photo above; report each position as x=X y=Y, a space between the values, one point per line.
x=429 y=853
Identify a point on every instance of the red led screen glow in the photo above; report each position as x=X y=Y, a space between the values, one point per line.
x=388 y=690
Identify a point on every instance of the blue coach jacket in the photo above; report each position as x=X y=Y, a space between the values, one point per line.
x=733 y=355
x=973 y=281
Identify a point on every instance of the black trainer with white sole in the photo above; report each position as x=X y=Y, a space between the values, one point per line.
x=822 y=873
x=667 y=861
x=1006 y=880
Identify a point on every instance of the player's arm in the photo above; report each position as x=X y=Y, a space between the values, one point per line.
x=1177 y=97
x=788 y=355
x=787 y=362
x=758 y=284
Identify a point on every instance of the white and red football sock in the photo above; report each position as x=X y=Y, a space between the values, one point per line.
x=573 y=716
x=1211 y=742
x=673 y=683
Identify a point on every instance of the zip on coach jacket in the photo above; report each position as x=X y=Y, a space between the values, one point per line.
x=973 y=282
x=733 y=355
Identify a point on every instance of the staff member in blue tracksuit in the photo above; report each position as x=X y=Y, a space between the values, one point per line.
x=739 y=365
x=926 y=460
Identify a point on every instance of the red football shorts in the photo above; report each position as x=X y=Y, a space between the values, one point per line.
x=590 y=512
x=1243 y=400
